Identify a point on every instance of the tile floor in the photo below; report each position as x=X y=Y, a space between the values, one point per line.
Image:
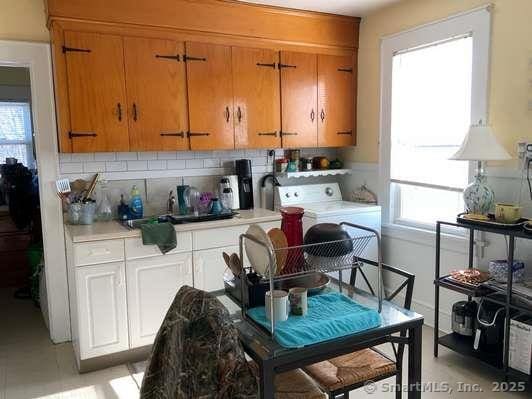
x=32 y=367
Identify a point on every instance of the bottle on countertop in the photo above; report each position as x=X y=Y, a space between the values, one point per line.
x=123 y=209
x=136 y=209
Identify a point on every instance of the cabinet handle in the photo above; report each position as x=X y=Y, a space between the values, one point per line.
x=348 y=70
x=180 y=134
x=227 y=115
x=192 y=134
x=119 y=111
x=288 y=134
x=239 y=115
x=268 y=134
x=322 y=115
x=346 y=133
x=74 y=134
x=75 y=50
x=135 y=112
x=312 y=115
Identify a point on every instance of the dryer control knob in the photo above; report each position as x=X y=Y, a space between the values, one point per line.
x=329 y=191
x=287 y=195
x=296 y=194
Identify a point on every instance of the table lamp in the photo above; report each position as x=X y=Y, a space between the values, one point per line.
x=480 y=145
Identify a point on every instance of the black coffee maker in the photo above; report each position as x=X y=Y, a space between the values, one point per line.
x=245 y=183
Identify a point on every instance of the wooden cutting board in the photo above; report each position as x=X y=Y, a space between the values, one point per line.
x=278 y=239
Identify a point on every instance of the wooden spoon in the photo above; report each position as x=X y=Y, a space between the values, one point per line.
x=230 y=263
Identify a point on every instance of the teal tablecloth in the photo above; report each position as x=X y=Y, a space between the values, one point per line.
x=330 y=315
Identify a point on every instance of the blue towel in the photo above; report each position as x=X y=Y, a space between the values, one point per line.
x=329 y=316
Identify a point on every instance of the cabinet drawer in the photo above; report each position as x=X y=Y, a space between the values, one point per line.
x=105 y=251
x=136 y=249
x=225 y=237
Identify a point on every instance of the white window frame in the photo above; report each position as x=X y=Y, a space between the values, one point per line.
x=477 y=23
x=28 y=133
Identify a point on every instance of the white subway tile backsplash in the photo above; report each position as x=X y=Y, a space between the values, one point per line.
x=258 y=161
x=104 y=156
x=171 y=164
x=175 y=164
x=71 y=168
x=94 y=166
x=166 y=155
x=194 y=163
x=82 y=157
x=65 y=158
x=137 y=165
x=147 y=156
x=211 y=163
x=116 y=166
x=157 y=165
x=203 y=154
x=126 y=156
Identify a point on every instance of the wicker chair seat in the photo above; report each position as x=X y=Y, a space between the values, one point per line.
x=294 y=384
x=353 y=368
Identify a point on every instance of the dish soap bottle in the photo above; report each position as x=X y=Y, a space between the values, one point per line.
x=136 y=209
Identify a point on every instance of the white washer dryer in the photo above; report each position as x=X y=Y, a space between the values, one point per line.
x=323 y=204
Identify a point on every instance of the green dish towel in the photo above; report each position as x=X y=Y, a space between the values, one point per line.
x=160 y=234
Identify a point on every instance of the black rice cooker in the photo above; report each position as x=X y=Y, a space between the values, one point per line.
x=463 y=318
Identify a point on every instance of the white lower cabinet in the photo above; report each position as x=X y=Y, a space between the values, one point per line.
x=152 y=284
x=209 y=268
x=102 y=309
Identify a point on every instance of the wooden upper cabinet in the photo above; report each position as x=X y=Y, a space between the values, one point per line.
x=96 y=92
x=256 y=98
x=156 y=92
x=336 y=99
x=210 y=96
x=299 y=115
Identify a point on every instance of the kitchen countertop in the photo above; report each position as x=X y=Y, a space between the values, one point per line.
x=114 y=230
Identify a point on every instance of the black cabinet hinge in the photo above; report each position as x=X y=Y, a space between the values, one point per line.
x=272 y=65
x=74 y=134
x=279 y=65
x=188 y=58
x=180 y=134
x=192 y=134
x=77 y=50
x=176 y=57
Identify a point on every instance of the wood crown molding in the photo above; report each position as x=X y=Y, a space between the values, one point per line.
x=221 y=17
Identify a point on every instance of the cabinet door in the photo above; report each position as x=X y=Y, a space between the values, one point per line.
x=209 y=268
x=336 y=100
x=152 y=284
x=299 y=120
x=210 y=96
x=102 y=313
x=256 y=97
x=156 y=92
x=96 y=92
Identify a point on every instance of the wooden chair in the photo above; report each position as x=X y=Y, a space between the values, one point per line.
x=294 y=384
x=342 y=374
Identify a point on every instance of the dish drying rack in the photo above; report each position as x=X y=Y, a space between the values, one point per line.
x=302 y=260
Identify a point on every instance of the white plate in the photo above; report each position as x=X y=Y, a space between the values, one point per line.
x=257 y=254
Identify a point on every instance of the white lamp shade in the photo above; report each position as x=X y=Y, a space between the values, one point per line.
x=480 y=144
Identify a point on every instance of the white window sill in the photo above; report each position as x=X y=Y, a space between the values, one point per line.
x=449 y=242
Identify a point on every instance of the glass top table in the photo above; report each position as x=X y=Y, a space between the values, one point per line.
x=273 y=358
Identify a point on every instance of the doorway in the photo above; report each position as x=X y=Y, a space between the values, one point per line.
x=29 y=136
x=21 y=250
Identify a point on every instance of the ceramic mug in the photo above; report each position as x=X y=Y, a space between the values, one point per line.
x=507 y=213
x=281 y=307
x=298 y=301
